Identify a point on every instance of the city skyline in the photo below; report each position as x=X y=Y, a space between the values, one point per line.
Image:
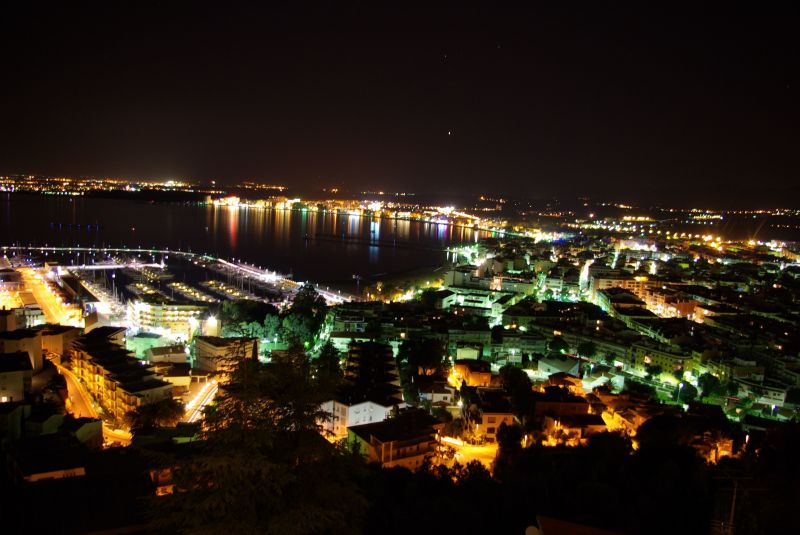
x=634 y=105
x=365 y=269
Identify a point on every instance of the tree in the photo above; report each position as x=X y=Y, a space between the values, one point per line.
x=308 y=301
x=710 y=385
x=262 y=466
x=247 y=329
x=558 y=345
x=428 y=297
x=518 y=385
x=653 y=371
x=427 y=356
x=245 y=310
x=509 y=442
x=639 y=389
x=497 y=334
x=664 y=431
x=164 y=413
x=442 y=414
x=299 y=326
x=272 y=326
x=509 y=438
x=421 y=356
x=684 y=392
x=327 y=365
x=587 y=349
x=609 y=444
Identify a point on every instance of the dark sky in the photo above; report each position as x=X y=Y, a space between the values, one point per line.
x=612 y=101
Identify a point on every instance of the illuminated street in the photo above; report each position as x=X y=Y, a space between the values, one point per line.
x=365 y=268
x=80 y=405
x=55 y=310
x=466 y=453
x=195 y=406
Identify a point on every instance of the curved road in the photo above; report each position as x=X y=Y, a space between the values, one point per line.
x=81 y=406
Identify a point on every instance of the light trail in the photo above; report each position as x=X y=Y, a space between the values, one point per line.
x=84 y=406
x=194 y=409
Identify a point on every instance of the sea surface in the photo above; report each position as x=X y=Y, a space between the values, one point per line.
x=323 y=247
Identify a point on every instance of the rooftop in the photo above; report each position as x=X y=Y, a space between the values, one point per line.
x=15 y=362
x=218 y=341
x=19 y=334
x=408 y=425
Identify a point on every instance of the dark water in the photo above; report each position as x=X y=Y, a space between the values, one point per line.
x=323 y=247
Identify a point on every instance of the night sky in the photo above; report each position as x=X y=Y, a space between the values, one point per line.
x=646 y=106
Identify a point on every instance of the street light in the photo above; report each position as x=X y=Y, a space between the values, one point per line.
x=680 y=387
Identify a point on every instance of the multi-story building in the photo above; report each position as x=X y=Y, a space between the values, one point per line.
x=178 y=320
x=478 y=337
x=494 y=409
x=573 y=429
x=471 y=372
x=669 y=303
x=605 y=280
x=214 y=354
x=647 y=353
x=405 y=440
x=56 y=339
x=345 y=412
x=30 y=313
x=114 y=377
x=370 y=393
x=615 y=298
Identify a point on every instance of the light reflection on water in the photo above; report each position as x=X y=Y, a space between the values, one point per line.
x=319 y=246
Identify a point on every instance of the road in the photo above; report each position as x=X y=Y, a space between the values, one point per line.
x=194 y=409
x=43 y=298
x=55 y=311
x=81 y=406
x=466 y=453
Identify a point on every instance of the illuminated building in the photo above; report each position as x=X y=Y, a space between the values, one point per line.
x=494 y=409
x=603 y=281
x=647 y=353
x=371 y=390
x=170 y=354
x=56 y=339
x=669 y=303
x=214 y=354
x=345 y=413
x=30 y=313
x=574 y=429
x=169 y=319
x=615 y=298
x=472 y=372
x=116 y=379
x=404 y=440
x=556 y=363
